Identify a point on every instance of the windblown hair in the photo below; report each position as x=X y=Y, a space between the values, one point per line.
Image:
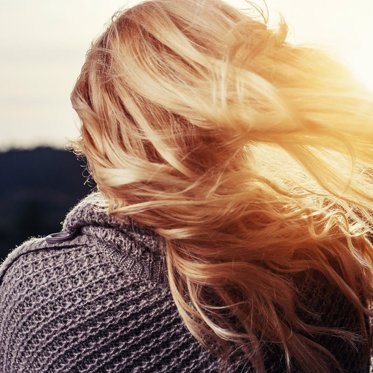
x=250 y=156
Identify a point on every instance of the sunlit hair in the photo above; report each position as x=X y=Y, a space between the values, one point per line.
x=250 y=156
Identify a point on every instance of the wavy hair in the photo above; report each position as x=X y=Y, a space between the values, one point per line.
x=250 y=156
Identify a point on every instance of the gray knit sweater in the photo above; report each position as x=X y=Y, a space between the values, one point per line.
x=95 y=298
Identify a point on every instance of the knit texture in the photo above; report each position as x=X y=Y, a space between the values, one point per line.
x=100 y=302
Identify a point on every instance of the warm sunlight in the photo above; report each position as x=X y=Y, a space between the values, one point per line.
x=38 y=67
x=343 y=29
x=361 y=62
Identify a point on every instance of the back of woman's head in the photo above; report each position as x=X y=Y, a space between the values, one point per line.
x=252 y=157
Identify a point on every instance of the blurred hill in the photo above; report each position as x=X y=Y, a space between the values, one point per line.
x=38 y=187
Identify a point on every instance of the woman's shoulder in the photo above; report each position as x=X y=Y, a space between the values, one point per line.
x=66 y=305
x=19 y=258
x=92 y=298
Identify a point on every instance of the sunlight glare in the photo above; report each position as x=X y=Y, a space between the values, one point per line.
x=361 y=62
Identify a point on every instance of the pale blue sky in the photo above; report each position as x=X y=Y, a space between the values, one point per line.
x=43 y=42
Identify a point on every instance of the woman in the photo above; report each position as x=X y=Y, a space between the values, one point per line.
x=230 y=228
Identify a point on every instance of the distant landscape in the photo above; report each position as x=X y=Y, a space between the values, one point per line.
x=38 y=187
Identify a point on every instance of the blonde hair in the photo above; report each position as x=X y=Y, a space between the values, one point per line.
x=250 y=156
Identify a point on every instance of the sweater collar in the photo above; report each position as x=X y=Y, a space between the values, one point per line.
x=137 y=248
x=90 y=214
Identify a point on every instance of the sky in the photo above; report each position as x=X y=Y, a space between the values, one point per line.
x=43 y=44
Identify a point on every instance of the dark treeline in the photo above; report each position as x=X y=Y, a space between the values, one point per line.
x=38 y=187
